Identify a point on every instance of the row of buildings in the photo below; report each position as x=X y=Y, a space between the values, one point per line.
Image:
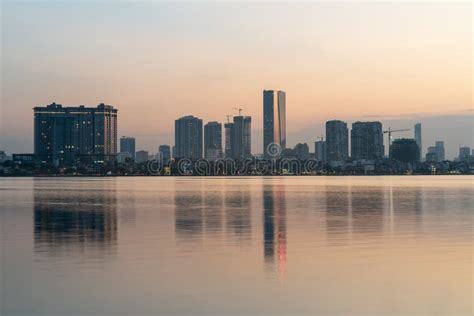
x=66 y=135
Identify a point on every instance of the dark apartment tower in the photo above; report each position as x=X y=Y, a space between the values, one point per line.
x=213 y=140
x=229 y=132
x=165 y=152
x=188 y=137
x=241 y=140
x=274 y=119
x=337 y=141
x=320 y=150
x=127 y=145
x=405 y=150
x=64 y=134
x=418 y=138
x=367 y=141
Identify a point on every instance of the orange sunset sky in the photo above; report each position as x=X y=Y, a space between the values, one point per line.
x=398 y=62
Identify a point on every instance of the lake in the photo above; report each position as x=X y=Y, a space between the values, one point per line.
x=379 y=245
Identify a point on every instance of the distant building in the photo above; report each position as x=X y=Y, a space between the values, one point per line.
x=127 y=145
x=405 y=150
x=164 y=152
x=418 y=138
x=274 y=119
x=337 y=141
x=141 y=156
x=213 y=140
x=3 y=156
x=229 y=131
x=464 y=153
x=436 y=152
x=431 y=156
x=439 y=145
x=367 y=141
x=122 y=157
x=301 y=151
x=320 y=150
x=61 y=134
x=188 y=137
x=241 y=142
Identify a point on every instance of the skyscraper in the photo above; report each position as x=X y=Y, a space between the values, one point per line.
x=337 y=141
x=241 y=140
x=439 y=145
x=165 y=152
x=464 y=153
x=213 y=140
x=229 y=131
x=62 y=134
x=274 y=119
x=418 y=137
x=188 y=137
x=127 y=145
x=320 y=150
x=367 y=141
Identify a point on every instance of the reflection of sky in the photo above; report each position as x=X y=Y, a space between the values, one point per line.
x=158 y=61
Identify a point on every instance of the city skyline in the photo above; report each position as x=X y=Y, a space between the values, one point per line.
x=321 y=64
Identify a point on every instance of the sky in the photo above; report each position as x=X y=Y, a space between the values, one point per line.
x=398 y=62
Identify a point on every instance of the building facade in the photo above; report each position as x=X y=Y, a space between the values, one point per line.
x=464 y=153
x=229 y=131
x=188 y=137
x=213 y=141
x=367 y=141
x=127 y=145
x=320 y=151
x=63 y=134
x=241 y=140
x=165 y=152
x=418 y=138
x=405 y=150
x=274 y=119
x=337 y=141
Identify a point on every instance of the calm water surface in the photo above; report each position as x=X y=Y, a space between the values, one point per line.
x=293 y=245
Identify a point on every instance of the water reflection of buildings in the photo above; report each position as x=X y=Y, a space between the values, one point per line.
x=274 y=227
x=353 y=211
x=238 y=214
x=198 y=212
x=66 y=221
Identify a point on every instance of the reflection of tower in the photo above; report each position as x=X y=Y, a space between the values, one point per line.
x=238 y=216
x=188 y=214
x=85 y=219
x=274 y=227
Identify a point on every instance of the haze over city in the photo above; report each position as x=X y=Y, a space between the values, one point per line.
x=156 y=62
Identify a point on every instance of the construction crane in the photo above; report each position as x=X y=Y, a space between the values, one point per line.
x=238 y=109
x=390 y=131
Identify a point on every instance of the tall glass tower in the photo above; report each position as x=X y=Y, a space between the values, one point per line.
x=274 y=119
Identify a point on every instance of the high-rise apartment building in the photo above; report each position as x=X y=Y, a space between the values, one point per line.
x=188 y=137
x=464 y=153
x=320 y=150
x=164 y=152
x=337 y=141
x=63 y=134
x=213 y=140
x=367 y=141
x=241 y=140
x=439 y=145
x=274 y=119
x=418 y=138
x=229 y=131
x=127 y=145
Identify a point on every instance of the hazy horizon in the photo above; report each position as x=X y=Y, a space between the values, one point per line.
x=396 y=62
